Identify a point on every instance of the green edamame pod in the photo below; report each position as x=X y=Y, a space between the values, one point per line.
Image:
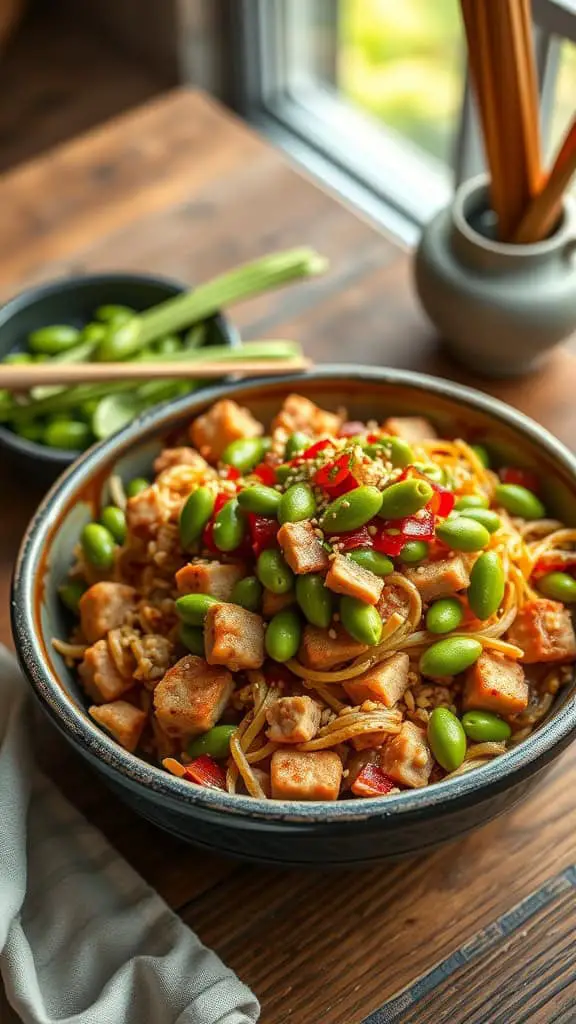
x=450 y=656
x=168 y=345
x=377 y=563
x=297 y=442
x=51 y=341
x=113 y=519
x=485 y=727
x=245 y=453
x=434 y=473
x=274 y=572
x=70 y=594
x=215 y=742
x=135 y=486
x=296 y=504
x=93 y=332
x=261 y=500
x=351 y=510
x=229 y=526
x=468 y=501
x=414 y=551
x=247 y=593
x=121 y=341
x=315 y=600
x=481 y=454
x=463 y=534
x=72 y=435
x=447 y=739
x=192 y=637
x=444 y=615
x=519 y=501
x=559 y=586
x=195 y=515
x=193 y=608
x=114 y=313
x=283 y=635
x=361 y=621
x=486 y=516
x=405 y=498
x=487 y=585
x=98 y=545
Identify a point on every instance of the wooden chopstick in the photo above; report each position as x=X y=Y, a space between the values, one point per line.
x=23 y=377
x=545 y=210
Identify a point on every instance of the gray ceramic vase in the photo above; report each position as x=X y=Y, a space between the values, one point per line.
x=499 y=308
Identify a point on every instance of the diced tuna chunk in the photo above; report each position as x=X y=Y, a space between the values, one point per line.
x=439 y=579
x=179 y=457
x=407 y=757
x=319 y=650
x=122 y=720
x=212 y=578
x=497 y=684
x=296 y=775
x=274 y=603
x=234 y=637
x=544 y=631
x=223 y=423
x=146 y=512
x=385 y=682
x=302 y=548
x=299 y=413
x=105 y=606
x=410 y=428
x=293 y=719
x=191 y=696
x=100 y=676
x=346 y=577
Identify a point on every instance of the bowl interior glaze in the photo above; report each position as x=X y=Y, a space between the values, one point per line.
x=47 y=553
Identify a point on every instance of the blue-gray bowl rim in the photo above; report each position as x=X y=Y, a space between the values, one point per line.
x=498 y=775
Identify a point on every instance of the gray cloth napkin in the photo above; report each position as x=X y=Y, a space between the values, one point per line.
x=83 y=939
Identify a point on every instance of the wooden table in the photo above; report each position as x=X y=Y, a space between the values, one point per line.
x=183 y=188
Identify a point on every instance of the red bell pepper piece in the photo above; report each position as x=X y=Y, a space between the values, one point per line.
x=373 y=781
x=390 y=544
x=208 y=535
x=392 y=535
x=310 y=452
x=420 y=527
x=230 y=473
x=266 y=473
x=262 y=532
x=353 y=539
x=333 y=474
x=523 y=477
x=205 y=771
x=443 y=500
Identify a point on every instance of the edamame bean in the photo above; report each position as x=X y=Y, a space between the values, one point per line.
x=135 y=486
x=247 y=593
x=215 y=742
x=193 y=608
x=351 y=510
x=195 y=514
x=70 y=594
x=405 y=498
x=315 y=600
x=51 y=341
x=283 y=472
x=375 y=562
x=481 y=454
x=468 y=501
x=444 y=615
x=93 y=332
x=229 y=526
x=113 y=519
x=450 y=656
x=192 y=637
x=414 y=551
x=168 y=346
x=447 y=739
x=73 y=435
x=245 y=453
x=274 y=572
x=88 y=408
x=283 y=635
x=519 y=501
x=487 y=584
x=98 y=545
x=490 y=519
x=434 y=473
x=261 y=500
x=361 y=621
x=390 y=449
x=296 y=504
x=485 y=727
x=297 y=442
x=33 y=431
x=463 y=534
x=559 y=586
x=114 y=314
x=121 y=341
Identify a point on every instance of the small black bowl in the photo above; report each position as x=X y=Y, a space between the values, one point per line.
x=72 y=301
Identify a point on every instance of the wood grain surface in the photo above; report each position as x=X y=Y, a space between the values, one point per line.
x=181 y=187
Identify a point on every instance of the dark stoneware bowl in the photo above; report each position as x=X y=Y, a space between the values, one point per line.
x=72 y=300
x=350 y=832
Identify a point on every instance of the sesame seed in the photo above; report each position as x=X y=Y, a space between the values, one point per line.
x=332 y=634
x=372 y=530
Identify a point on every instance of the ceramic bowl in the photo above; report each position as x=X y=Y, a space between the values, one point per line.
x=343 y=833
x=72 y=301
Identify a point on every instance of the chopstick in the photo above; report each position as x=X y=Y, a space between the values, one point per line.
x=544 y=211
x=23 y=377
